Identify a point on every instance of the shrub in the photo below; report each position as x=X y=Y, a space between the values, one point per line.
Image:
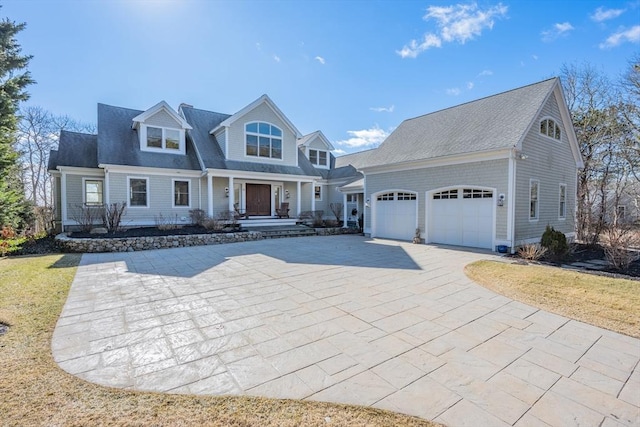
x=213 y=224
x=531 y=252
x=87 y=217
x=168 y=223
x=198 y=216
x=112 y=216
x=617 y=242
x=336 y=208
x=555 y=242
x=317 y=218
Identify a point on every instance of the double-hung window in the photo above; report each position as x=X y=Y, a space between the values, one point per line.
x=318 y=157
x=318 y=192
x=562 y=205
x=181 y=193
x=93 y=195
x=138 y=192
x=534 y=201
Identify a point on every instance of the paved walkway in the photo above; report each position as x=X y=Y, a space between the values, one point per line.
x=342 y=319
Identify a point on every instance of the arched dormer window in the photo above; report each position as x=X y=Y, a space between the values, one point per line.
x=263 y=140
x=548 y=127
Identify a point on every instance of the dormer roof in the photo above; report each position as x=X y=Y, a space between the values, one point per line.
x=306 y=140
x=264 y=99
x=162 y=105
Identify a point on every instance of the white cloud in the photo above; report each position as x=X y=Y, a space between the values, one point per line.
x=383 y=109
x=339 y=152
x=535 y=57
x=320 y=59
x=458 y=23
x=276 y=58
x=258 y=46
x=602 y=14
x=470 y=85
x=631 y=35
x=365 y=138
x=485 y=73
x=559 y=29
x=454 y=91
x=414 y=48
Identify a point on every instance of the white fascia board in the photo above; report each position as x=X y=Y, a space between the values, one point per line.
x=264 y=99
x=317 y=135
x=72 y=170
x=140 y=170
x=439 y=161
x=162 y=105
x=226 y=173
x=568 y=125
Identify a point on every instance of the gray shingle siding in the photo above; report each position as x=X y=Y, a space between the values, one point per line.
x=490 y=174
x=551 y=162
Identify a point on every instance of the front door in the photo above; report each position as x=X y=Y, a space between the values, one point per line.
x=259 y=199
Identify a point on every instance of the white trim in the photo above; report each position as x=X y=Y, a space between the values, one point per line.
x=312 y=137
x=63 y=198
x=560 y=185
x=567 y=124
x=555 y=121
x=84 y=190
x=162 y=105
x=173 y=193
x=210 y=195
x=428 y=202
x=164 y=150
x=107 y=188
x=299 y=197
x=258 y=135
x=129 y=206
x=71 y=170
x=264 y=176
x=511 y=199
x=439 y=161
x=318 y=151
x=344 y=212
x=537 y=217
x=264 y=99
x=374 y=203
x=151 y=170
x=314 y=199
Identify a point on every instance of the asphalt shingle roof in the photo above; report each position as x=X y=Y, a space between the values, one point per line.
x=490 y=123
x=75 y=149
x=118 y=143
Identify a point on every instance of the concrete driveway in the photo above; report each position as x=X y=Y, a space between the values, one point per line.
x=342 y=319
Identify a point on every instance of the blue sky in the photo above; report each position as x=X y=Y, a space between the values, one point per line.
x=353 y=69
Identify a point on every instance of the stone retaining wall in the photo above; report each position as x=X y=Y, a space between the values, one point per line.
x=130 y=244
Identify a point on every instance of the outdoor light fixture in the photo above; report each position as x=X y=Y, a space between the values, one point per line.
x=523 y=156
x=226 y=191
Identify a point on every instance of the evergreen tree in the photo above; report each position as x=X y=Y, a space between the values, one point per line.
x=15 y=210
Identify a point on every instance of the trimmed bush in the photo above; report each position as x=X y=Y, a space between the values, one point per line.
x=555 y=242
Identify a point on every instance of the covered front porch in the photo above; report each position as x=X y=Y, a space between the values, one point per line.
x=354 y=204
x=261 y=198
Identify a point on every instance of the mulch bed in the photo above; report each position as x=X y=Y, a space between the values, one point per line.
x=581 y=252
x=152 y=232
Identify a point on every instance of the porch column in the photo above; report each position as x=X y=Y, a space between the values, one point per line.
x=232 y=195
x=209 y=195
x=63 y=199
x=344 y=212
x=298 y=198
x=313 y=196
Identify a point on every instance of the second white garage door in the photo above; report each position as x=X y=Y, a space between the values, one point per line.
x=463 y=217
x=395 y=215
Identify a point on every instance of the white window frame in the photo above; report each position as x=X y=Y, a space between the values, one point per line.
x=317 y=162
x=258 y=135
x=173 y=193
x=129 y=205
x=163 y=149
x=84 y=191
x=352 y=198
x=562 y=202
x=556 y=124
x=537 y=206
x=318 y=199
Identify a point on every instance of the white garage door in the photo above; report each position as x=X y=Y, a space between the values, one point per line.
x=463 y=217
x=395 y=215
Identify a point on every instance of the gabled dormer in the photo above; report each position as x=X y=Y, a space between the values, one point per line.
x=258 y=133
x=317 y=148
x=161 y=129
